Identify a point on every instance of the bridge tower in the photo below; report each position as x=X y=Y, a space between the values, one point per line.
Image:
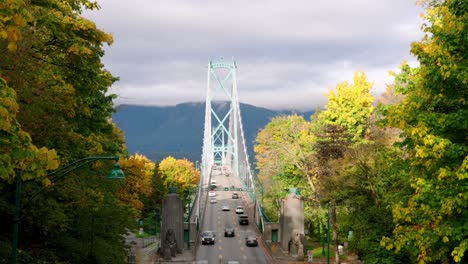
x=223 y=137
x=223 y=141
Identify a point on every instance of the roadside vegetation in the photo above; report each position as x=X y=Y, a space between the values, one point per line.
x=55 y=108
x=391 y=170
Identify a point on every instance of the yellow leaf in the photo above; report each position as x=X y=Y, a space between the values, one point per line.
x=3 y=34
x=442 y=173
x=12 y=46
x=19 y=20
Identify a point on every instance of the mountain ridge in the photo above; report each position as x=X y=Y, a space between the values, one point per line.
x=160 y=131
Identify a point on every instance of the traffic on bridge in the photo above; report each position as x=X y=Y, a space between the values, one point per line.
x=221 y=217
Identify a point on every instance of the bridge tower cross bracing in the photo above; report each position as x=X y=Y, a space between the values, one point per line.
x=223 y=139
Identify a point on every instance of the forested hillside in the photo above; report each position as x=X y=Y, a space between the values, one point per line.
x=177 y=131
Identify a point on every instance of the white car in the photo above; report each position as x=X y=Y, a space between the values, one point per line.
x=213 y=200
x=225 y=208
x=213 y=184
x=211 y=194
x=239 y=209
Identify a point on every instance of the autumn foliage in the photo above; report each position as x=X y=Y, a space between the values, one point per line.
x=139 y=171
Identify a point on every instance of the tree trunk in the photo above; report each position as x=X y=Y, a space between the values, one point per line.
x=335 y=232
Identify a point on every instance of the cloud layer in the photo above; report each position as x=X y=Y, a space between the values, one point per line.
x=289 y=53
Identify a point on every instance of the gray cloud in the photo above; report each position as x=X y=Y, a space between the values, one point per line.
x=289 y=53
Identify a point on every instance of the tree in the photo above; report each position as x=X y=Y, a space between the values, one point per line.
x=139 y=171
x=351 y=106
x=59 y=79
x=345 y=121
x=179 y=173
x=283 y=154
x=432 y=220
x=14 y=16
x=369 y=181
x=51 y=58
x=18 y=151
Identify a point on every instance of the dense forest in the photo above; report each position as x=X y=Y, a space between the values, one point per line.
x=392 y=170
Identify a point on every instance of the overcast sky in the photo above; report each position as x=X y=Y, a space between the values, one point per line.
x=288 y=53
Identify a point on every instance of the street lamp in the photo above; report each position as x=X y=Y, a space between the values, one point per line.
x=56 y=175
x=328 y=234
x=190 y=208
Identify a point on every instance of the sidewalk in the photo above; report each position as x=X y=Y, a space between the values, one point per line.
x=142 y=250
x=186 y=257
x=282 y=257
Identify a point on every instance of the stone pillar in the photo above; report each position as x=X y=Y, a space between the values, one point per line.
x=291 y=219
x=172 y=219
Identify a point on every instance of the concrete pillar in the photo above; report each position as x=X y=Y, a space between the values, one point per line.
x=291 y=217
x=173 y=218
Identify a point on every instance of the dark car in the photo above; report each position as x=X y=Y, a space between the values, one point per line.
x=229 y=232
x=243 y=220
x=208 y=237
x=235 y=196
x=251 y=241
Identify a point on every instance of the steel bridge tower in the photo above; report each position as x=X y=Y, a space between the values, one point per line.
x=223 y=141
x=223 y=137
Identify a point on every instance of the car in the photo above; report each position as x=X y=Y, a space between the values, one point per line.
x=251 y=241
x=229 y=232
x=243 y=219
x=213 y=184
x=235 y=196
x=225 y=208
x=213 y=200
x=211 y=193
x=208 y=237
x=239 y=209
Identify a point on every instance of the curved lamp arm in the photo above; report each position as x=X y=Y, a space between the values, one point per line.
x=60 y=173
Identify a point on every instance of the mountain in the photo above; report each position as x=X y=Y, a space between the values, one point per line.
x=158 y=132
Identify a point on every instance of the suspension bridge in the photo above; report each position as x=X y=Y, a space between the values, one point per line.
x=225 y=161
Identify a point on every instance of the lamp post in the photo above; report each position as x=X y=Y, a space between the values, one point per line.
x=328 y=235
x=323 y=240
x=56 y=175
x=190 y=207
